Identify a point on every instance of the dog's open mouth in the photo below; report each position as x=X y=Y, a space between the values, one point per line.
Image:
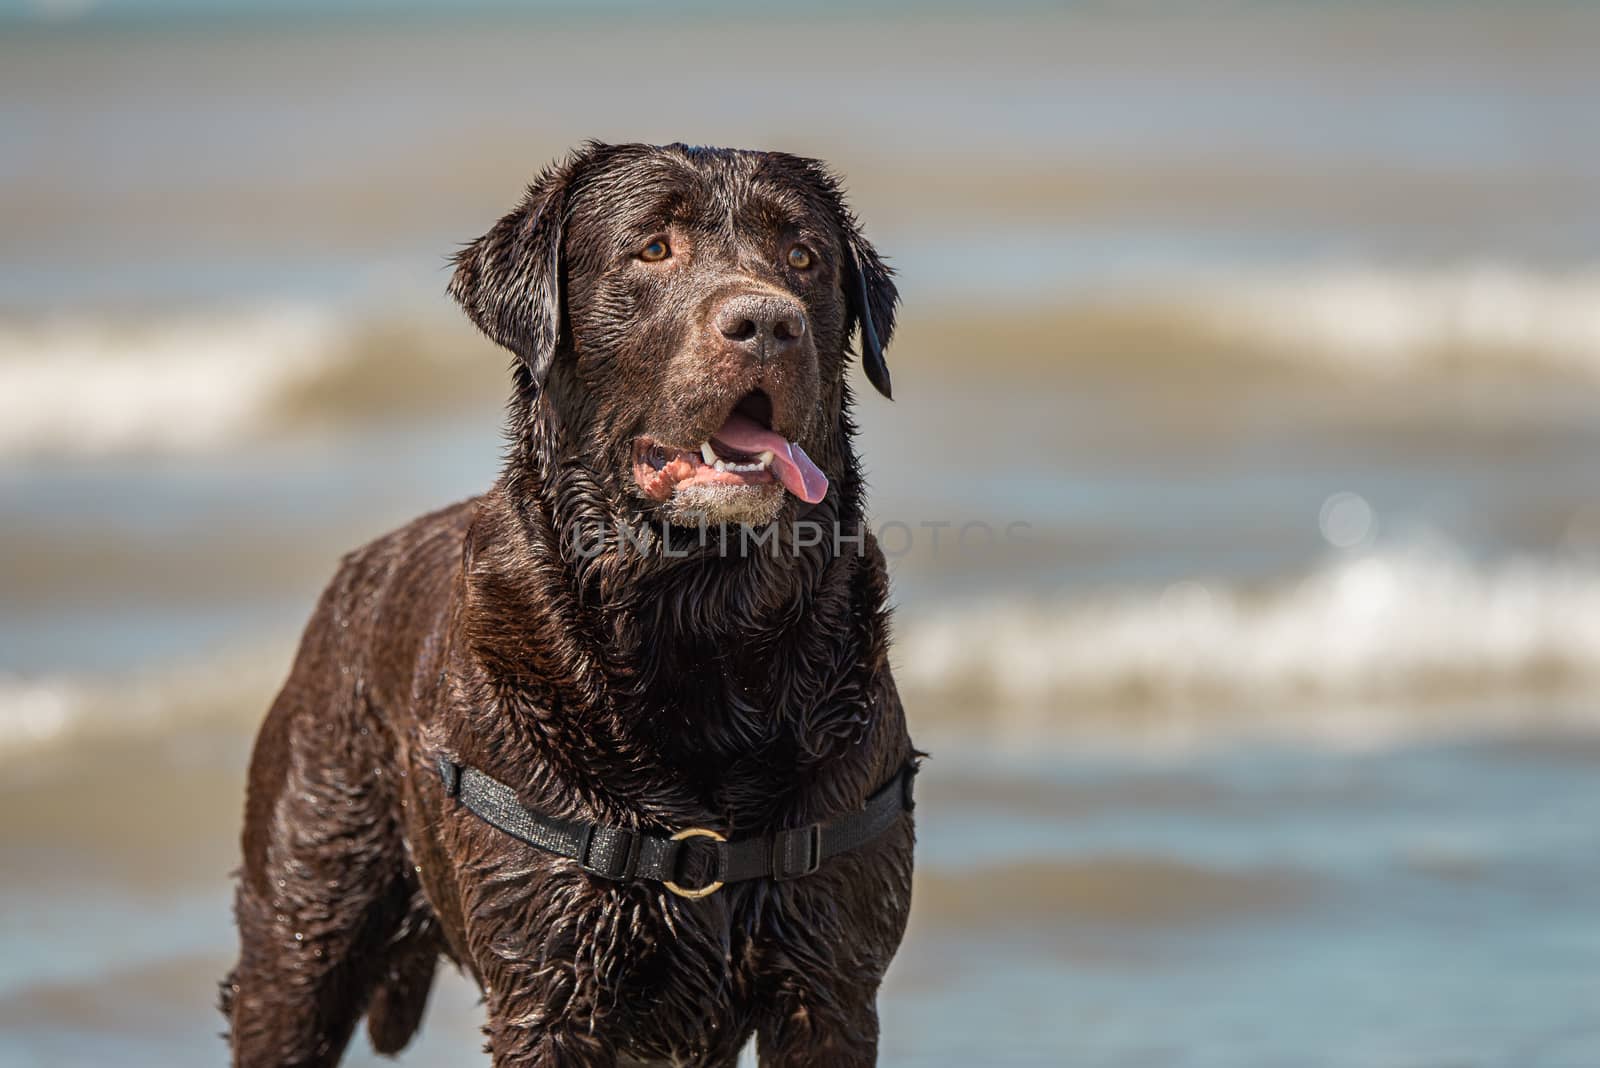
x=742 y=452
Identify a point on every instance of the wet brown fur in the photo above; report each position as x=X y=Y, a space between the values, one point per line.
x=748 y=694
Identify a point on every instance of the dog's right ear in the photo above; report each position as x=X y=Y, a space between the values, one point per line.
x=509 y=280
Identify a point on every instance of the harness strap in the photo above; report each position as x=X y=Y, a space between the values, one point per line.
x=620 y=854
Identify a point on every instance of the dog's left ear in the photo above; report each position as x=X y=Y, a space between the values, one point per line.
x=509 y=280
x=870 y=291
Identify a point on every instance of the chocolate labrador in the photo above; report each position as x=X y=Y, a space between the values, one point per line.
x=619 y=737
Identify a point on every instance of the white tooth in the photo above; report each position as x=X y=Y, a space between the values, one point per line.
x=708 y=452
x=765 y=457
x=720 y=466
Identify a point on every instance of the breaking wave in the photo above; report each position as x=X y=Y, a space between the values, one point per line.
x=1386 y=644
x=230 y=689
x=1369 y=648
x=1387 y=321
x=101 y=386
x=186 y=381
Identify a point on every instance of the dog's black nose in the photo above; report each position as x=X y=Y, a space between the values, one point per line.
x=762 y=324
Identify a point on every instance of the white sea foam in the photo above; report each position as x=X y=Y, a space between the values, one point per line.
x=1365 y=646
x=43 y=712
x=1395 y=321
x=93 y=386
x=1366 y=649
x=186 y=381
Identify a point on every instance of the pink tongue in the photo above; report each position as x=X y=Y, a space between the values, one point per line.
x=793 y=467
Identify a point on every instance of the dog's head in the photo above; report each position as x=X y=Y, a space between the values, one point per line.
x=685 y=315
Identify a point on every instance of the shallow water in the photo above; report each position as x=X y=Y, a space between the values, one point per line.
x=1273 y=742
x=1426 y=904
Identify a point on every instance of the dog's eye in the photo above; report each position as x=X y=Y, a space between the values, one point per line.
x=799 y=257
x=655 y=251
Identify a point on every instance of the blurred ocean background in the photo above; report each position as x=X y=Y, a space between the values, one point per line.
x=1276 y=743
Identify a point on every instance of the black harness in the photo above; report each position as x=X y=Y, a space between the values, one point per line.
x=619 y=854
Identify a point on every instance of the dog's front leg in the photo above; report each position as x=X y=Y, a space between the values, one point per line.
x=806 y=1026
x=528 y=1029
x=542 y=1006
x=550 y=1049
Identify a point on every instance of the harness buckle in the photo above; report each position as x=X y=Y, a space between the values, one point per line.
x=908 y=779
x=611 y=853
x=450 y=773
x=797 y=853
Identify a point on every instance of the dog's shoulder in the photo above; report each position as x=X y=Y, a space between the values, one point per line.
x=383 y=602
x=428 y=545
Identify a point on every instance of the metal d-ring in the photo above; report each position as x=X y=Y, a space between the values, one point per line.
x=708 y=889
